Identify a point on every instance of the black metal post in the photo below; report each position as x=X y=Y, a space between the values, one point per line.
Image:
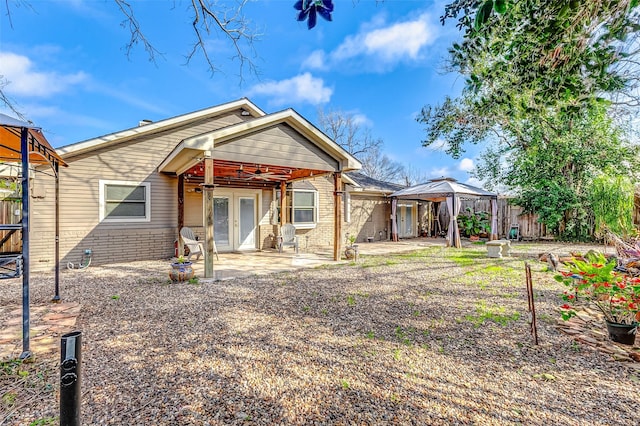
x=24 y=152
x=70 y=378
x=56 y=297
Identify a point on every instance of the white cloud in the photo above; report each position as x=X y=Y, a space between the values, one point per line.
x=381 y=47
x=438 y=145
x=25 y=80
x=438 y=172
x=303 y=88
x=361 y=120
x=466 y=165
x=316 y=61
x=475 y=182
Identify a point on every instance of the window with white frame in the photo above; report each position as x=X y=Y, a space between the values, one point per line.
x=122 y=201
x=301 y=208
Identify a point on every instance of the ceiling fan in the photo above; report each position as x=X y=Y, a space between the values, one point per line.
x=259 y=174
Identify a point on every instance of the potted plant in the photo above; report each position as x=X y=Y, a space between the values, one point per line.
x=181 y=269
x=595 y=281
x=472 y=224
x=351 y=251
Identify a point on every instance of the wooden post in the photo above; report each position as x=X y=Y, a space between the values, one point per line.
x=207 y=193
x=337 y=216
x=283 y=203
x=180 y=213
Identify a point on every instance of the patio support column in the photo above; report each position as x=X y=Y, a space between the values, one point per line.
x=207 y=204
x=180 y=212
x=283 y=203
x=337 y=216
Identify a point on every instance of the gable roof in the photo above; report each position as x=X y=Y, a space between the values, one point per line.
x=185 y=153
x=162 y=125
x=368 y=184
x=442 y=188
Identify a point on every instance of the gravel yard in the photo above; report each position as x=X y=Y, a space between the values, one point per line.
x=438 y=336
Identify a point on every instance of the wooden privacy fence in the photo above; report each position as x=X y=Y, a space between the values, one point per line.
x=11 y=241
x=509 y=215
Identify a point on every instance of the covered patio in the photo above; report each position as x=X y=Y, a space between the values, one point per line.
x=241 y=176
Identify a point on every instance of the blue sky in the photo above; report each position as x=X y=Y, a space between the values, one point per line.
x=68 y=71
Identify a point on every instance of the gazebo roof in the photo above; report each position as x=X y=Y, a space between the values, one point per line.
x=439 y=189
x=40 y=151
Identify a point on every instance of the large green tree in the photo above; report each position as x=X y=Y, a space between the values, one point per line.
x=548 y=85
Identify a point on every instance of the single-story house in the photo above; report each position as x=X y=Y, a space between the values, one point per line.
x=125 y=195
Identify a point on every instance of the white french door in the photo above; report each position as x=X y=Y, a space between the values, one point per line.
x=234 y=218
x=246 y=223
x=404 y=219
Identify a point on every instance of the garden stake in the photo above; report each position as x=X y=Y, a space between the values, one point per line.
x=532 y=308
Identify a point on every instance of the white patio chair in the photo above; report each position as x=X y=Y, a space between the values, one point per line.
x=195 y=247
x=288 y=237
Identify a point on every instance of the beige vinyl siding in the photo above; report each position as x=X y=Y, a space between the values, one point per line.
x=134 y=161
x=264 y=211
x=279 y=145
x=192 y=207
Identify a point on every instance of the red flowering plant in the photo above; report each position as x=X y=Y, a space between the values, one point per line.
x=595 y=281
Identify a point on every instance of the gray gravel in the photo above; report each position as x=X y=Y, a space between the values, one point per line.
x=435 y=338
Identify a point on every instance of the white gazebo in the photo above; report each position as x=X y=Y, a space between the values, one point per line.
x=451 y=191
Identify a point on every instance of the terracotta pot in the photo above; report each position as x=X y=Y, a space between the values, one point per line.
x=351 y=252
x=622 y=333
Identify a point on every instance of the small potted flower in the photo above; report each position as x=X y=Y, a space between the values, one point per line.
x=351 y=251
x=181 y=269
x=596 y=282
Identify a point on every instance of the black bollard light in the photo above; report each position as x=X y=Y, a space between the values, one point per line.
x=70 y=392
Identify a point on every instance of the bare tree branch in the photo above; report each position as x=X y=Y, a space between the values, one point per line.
x=10 y=103
x=231 y=23
x=344 y=129
x=209 y=18
x=137 y=36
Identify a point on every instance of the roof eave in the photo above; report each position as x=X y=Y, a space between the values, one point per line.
x=347 y=161
x=118 y=137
